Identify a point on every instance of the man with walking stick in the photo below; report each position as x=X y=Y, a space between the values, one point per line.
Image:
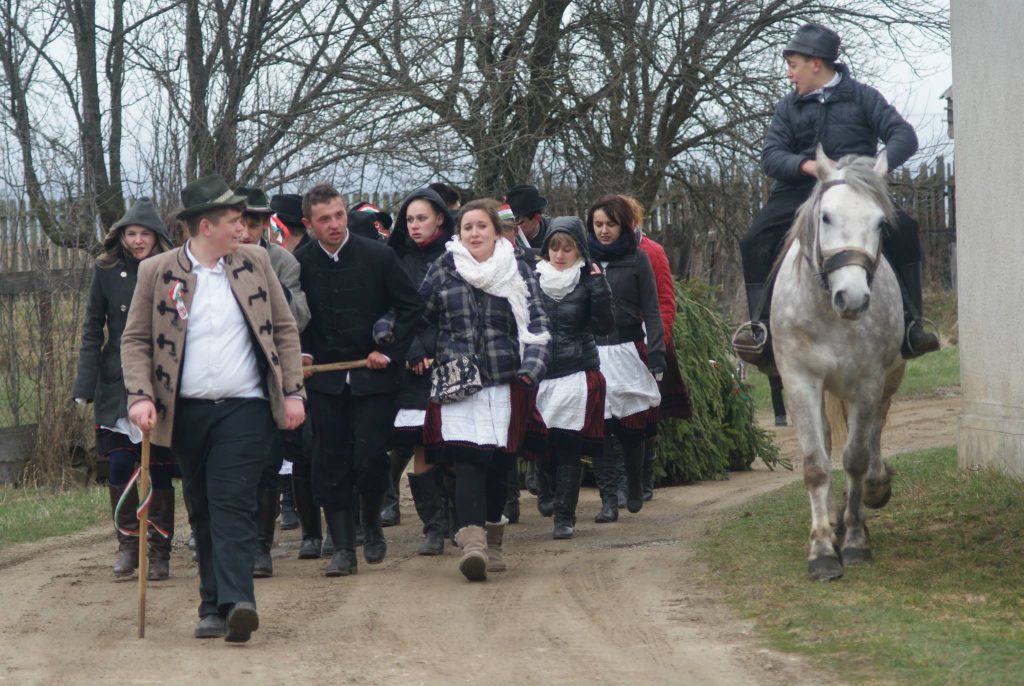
x=218 y=406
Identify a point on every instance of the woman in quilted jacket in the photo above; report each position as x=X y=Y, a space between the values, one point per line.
x=493 y=347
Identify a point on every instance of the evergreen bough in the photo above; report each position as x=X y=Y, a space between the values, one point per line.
x=723 y=434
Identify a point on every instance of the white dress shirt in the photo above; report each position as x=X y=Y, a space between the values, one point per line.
x=219 y=359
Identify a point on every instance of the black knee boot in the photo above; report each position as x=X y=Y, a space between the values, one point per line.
x=127 y=544
x=607 y=484
x=375 y=547
x=390 y=514
x=161 y=514
x=309 y=518
x=289 y=517
x=427 y=491
x=342 y=525
x=545 y=478
x=916 y=341
x=567 y=495
x=752 y=341
x=634 y=461
x=266 y=517
x=512 y=503
x=650 y=457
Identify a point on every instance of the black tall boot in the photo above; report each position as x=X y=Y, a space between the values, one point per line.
x=634 y=460
x=916 y=341
x=375 y=547
x=289 y=517
x=426 y=494
x=267 y=500
x=545 y=478
x=342 y=526
x=650 y=457
x=607 y=482
x=567 y=495
x=512 y=503
x=531 y=479
x=309 y=518
x=391 y=515
x=161 y=514
x=752 y=341
x=127 y=544
x=448 y=479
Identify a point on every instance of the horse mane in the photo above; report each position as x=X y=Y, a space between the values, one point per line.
x=859 y=174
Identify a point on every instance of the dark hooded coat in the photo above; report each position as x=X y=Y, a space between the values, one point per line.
x=415 y=261
x=575 y=319
x=99 y=377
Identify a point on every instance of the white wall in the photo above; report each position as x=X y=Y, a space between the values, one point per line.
x=988 y=94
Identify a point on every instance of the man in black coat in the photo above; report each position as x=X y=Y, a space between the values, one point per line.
x=350 y=282
x=827 y=107
x=528 y=205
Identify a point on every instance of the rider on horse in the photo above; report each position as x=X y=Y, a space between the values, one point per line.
x=827 y=107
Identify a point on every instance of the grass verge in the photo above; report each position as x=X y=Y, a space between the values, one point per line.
x=942 y=603
x=30 y=514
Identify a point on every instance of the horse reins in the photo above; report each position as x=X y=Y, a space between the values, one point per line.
x=825 y=264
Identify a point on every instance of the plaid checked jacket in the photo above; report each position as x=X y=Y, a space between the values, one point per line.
x=472 y=321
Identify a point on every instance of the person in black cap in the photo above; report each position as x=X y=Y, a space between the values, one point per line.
x=827 y=107
x=369 y=221
x=138 y=235
x=274 y=488
x=528 y=206
x=288 y=208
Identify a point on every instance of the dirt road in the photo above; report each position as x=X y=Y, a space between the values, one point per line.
x=621 y=603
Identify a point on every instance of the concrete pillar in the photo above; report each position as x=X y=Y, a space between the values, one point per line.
x=989 y=147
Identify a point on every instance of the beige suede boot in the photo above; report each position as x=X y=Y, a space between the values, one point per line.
x=473 y=542
x=495 y=553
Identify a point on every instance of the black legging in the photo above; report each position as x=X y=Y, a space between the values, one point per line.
x=481 y=488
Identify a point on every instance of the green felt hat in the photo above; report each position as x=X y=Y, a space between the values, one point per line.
x=207 y=193
x=256 y=200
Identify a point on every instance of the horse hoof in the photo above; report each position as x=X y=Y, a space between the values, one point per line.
x=856 y=556
x=825 y=569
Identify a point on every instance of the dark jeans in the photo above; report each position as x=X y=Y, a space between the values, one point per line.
x=122 y=464
x=350 y=434
x=222 y=448
x=481 y=489
x=760 y=246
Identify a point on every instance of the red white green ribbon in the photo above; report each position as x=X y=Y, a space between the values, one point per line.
x=143 y=503
x=279 y=230
x=179 y=300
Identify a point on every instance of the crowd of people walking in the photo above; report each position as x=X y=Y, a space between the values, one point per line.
x=295 y=344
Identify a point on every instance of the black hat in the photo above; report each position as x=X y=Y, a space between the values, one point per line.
x=814 y=40
x=525 y=200
x=256 y=201
x=142 y=213
x=288 y=208
x=373 y=211
x=207 y=193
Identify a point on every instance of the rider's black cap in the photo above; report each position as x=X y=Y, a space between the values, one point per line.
x=814 y=40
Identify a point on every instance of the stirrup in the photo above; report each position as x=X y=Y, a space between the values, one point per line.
x=751 y=353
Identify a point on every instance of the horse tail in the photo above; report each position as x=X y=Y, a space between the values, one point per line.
x=836 y=413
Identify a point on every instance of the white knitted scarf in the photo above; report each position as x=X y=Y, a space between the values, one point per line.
x=558 y=284
x=499 y=276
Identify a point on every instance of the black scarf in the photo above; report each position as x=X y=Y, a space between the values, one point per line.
x=619 y=248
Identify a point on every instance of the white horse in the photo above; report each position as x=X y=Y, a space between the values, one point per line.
x=837 y=325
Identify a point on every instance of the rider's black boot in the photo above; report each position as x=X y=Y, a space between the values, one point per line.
x=916 y=341
x=752 y=341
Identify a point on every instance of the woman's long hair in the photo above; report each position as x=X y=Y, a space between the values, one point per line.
x=117 y=251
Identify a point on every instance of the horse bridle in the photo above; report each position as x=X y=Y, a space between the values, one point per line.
x=826 y=263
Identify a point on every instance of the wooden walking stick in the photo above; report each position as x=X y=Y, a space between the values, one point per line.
x=335 y=366
x=143 y=533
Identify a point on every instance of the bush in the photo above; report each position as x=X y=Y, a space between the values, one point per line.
x=723 y=433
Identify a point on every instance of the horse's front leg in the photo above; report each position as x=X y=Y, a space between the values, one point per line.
x=806 y=403
x=864 y=423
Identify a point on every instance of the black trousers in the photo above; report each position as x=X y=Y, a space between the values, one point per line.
x=760 y=246
x=222 y=448
x=350 y=435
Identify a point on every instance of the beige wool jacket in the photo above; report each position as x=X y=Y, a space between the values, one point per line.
x=154 y=339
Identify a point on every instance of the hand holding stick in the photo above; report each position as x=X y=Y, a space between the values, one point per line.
x=334 y=366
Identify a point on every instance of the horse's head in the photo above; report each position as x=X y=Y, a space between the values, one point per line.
x=852 y=208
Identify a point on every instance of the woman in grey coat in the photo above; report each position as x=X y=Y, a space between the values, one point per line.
x=137 y=235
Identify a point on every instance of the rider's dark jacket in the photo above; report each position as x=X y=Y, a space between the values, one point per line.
x=850 y=121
